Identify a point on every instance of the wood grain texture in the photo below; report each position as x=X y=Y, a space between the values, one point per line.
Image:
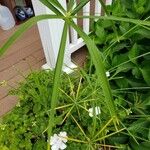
x=24 y=55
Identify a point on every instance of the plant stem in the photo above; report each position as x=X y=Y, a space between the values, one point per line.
x=57 y=74
x=100 y=70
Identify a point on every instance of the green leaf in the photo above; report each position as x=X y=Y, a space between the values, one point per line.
x=119 y=59
x=134 y=52
x=39 y=145
x=70 y=5
x=51 y=7
x=100 y=70
x=57 y=5
x=143 y=32
x=122 y=83
x=136 y=72
x=146 y=73
x=23 y=28
x=79 y=6
x=141 y=146
x=57 y=74
x=100 y=32
x=149 y=135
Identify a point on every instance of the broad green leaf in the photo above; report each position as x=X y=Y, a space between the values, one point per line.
x=149 y=134
x=100 y=32
x=118 y=59
x=122 y=83
x=143 y=32
x=106 y=23
x=125 y=68
x=146 y=73
x=140 y=146
x=136 y=72
x=135 y=82
x=134 y=52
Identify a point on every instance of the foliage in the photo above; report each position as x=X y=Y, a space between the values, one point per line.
x=25 y=127
x=127 y=59
x=51 y=102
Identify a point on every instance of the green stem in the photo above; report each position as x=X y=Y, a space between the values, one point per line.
x=101 y=73
x=57 y=74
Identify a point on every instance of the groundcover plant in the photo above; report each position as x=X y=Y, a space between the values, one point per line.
x=94 y=110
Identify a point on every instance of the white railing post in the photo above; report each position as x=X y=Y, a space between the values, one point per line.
x=50 y=32
x=86 y=21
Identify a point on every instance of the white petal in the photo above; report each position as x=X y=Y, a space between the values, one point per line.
x=62 y=146
x=55 y=147
x=91 y=114
x=63 y=136
x=54 y=139
x=97 y=111
x=108 y=74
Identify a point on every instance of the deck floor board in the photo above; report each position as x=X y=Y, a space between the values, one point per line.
x=24 y=54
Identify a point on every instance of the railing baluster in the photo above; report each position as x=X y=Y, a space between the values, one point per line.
x=97 y=8
x=108 y=2
x=86 y=22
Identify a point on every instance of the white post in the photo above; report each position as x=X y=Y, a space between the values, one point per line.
x=108 y=2
x=50 y=33
x=97 y=8
x=86 y=22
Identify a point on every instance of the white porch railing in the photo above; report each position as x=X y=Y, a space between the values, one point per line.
x=51 y=31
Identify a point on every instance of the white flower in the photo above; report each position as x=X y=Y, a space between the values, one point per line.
x=58 y=141
x=108 y=74
x=96 y=109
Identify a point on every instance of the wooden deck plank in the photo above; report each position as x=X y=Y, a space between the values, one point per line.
x=25 y=54
x=19 y=55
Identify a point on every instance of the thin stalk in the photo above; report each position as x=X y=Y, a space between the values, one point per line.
x=57 y=74
x=101 y=73
x=79 y=7
x=51 y=7
x=57 y=5
x=114 y=18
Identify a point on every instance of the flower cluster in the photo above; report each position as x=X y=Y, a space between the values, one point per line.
x=58 y=141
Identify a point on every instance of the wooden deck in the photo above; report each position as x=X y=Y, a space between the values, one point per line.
x=24 y=55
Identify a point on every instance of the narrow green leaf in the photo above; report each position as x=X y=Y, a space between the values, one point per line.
x=70 y=5
x=101 y=72
x=134 y=21
x=57 y=74
x=79 y=6
x=57 y=4
x=23 y=28
x=51 y=7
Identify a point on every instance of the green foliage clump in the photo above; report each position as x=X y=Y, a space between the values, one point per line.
x=126 y=56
